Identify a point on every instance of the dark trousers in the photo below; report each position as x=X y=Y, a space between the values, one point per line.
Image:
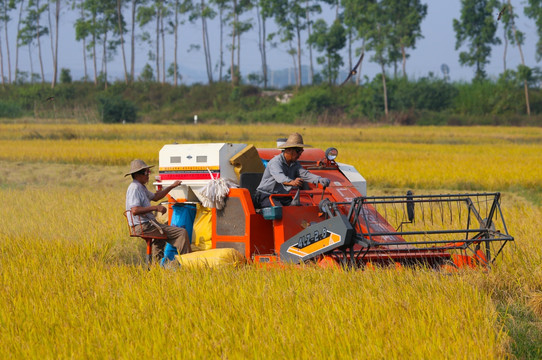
x=263 y=200
x=176 y=236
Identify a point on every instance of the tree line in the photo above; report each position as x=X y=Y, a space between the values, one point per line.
x=385 y=30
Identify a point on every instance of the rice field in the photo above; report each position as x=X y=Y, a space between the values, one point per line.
x=73 y=284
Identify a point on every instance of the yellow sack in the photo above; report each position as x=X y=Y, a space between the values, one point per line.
x=211 y=258
x=203 y=228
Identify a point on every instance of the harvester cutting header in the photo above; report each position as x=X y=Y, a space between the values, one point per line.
x=337 y=222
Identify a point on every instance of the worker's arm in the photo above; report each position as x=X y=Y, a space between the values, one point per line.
x=276 y=170
x=310 y=177
x=141 y=210
x=296 y=182
x=161 y=193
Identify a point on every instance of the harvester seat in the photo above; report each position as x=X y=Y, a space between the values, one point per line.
x=137 y=231
x=250 y=181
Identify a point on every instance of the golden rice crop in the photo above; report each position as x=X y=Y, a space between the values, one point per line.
x=451 y=158
x=69 y=291
x=72 y=282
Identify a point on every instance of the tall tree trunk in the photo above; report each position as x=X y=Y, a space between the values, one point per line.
x=132 y=41
x=293 y=53
x=121 y=33
x=162 y=33
x=299 y=73
x=2 y=65
x=157 y=44
x=403 y=53
x=384 y=89
x=525 y=85
x=84 y=43
x=176 y=28
x=239 y=55
x=51 y=40
x=311 y=66
x=238 y=47
x=221 y=64
x=31 y=64
x=233 y=36
x=94 y=50
x=358 y=75
x=505 y=50
x=55 y=50
x=104 y=60
x=265 y=72
x=17 y=45
x=263 y=50
x=205 y=36
x=7 y=42
x=350 y=50
x=38 y=36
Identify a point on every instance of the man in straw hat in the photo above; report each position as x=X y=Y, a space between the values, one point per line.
x=138 y=200
x=284 y=172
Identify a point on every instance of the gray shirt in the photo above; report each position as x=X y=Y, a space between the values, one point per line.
x=278 y=172
x=138 y=195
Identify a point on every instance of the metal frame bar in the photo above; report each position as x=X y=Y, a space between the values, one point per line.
x=482 y=235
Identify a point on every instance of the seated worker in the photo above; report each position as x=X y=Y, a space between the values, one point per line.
x=284 y=172
x=138 y=200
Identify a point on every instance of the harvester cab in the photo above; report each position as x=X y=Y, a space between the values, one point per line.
x=339 y=222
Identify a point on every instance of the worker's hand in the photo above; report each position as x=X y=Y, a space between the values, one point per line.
x=176 y=183
x=297 y=182
x=161 y=209
x=324 y=181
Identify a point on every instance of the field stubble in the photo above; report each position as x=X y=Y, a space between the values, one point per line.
x=73 y=285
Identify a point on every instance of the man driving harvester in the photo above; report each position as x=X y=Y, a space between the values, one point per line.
x=284 y=172
x=138 y=201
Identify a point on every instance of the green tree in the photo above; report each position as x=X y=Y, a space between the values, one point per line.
x=311 y=8
x=222 y=6
x=147 y=74
x=372 y=21
x=6 y=6
x=534 y=11
x=54 y=43
x=121 y=29
x=65 y=76
x=156 y=11
x=179 y=7
x=264 y=11
x=357 y=20
x=406 y=17
x=291 y=19
x=516 y=37
x=330 y=41
x=238 y=28
x=204 y=12
x=477 y=27
x=33 y=31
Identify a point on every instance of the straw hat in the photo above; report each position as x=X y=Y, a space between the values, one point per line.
x=137 y=165
x=294 y=140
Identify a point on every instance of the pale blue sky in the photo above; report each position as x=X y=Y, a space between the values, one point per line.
x=437 y=47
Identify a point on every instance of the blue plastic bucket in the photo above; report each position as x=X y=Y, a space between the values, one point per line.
x=183 y=216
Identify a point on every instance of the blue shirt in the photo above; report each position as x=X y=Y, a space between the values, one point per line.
x=278 y=172
x=138 y=195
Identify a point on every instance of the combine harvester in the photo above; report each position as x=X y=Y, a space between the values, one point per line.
x=339 y=223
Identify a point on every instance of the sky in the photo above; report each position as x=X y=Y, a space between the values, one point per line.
x=436 y=48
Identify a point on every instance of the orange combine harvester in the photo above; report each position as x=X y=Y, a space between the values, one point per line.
x=339 y=223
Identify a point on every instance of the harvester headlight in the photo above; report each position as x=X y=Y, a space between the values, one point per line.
x=331 y=153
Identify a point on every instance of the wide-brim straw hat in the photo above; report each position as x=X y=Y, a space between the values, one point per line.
x=294 y=140
x=137 y=165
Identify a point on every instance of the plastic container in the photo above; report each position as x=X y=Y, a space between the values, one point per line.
x=183 y=216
